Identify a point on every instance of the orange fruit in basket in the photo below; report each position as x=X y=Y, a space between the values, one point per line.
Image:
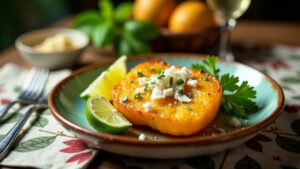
x=156 y=11
x=191 y=16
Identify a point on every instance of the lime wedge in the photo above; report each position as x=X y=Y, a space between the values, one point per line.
x=101 y=114
x=103 y=84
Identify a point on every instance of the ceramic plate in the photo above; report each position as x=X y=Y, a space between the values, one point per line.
x=69 y=109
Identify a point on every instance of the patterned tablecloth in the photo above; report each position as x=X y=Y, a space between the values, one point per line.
x=48 y=145
x=45 y=144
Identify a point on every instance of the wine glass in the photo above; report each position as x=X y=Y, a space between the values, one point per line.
x=229 y=11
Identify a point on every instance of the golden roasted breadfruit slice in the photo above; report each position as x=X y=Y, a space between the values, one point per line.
x=173 y=100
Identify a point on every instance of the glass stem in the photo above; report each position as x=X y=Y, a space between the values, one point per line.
x=225 y=45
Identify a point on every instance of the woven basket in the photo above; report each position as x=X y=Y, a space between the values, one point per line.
x=186 y=42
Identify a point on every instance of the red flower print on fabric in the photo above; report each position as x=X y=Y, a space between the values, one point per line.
x=276 y=64
x=4 y=101
x=292 y=108
x=81 y=157
x=81 y=148
x=279 y=63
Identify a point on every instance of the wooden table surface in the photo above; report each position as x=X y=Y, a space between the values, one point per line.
x=246 y=31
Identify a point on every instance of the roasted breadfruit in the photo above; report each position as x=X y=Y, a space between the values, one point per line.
x=173 y=100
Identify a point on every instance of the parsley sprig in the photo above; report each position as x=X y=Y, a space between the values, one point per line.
x=208 y=65
x=237 y=98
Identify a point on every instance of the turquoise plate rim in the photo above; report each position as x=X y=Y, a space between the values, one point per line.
x=203 y=140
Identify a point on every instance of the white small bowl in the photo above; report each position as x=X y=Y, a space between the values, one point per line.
x=51 y=60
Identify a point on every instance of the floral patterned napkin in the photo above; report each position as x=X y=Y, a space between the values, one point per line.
x=46 y=144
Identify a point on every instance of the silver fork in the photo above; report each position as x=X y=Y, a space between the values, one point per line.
x=8 y=140
x=33 y=88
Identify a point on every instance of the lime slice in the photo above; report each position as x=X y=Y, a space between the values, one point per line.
x=103 y=84
x=101 y=114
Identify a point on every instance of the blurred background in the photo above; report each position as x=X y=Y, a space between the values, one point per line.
x=18 y=16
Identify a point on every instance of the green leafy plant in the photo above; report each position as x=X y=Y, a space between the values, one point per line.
x=114 y=26
x=237 y=98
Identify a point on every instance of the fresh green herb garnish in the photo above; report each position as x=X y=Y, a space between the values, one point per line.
x=137 y=96
x=208 y=66
x=179 y=81
x=171 y=81
x=237 y=98
x=146 y=88
x=160 y=74
x=180 y=91
x=140 y=74
x=204 y=78
x=151 y=69
x=188 y=107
